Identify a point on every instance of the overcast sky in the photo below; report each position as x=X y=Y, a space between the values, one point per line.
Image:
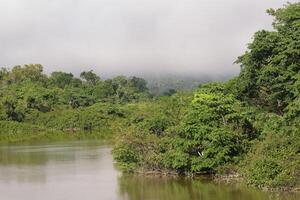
x=131 y=36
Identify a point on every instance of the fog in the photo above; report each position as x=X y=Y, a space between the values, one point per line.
x=185 y=37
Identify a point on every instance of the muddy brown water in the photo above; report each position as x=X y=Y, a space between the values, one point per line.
x=85 y=170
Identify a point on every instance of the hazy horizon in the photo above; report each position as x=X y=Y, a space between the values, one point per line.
x=131 y=37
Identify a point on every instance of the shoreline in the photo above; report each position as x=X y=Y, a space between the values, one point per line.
x=234 y=178
x=230 y=178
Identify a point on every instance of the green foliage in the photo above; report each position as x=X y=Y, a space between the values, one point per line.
x=274 y=162
x=157 y=125
x=148 y=134
x=63 y=103
x=104 y=90
x=28 y=88
x=210 y=129
x=15 y=132
x=32 y=72
x=249 y=124
x=139 y=84
x=270 y=67
x=11 y=109
x=90 y=77
x=128 y=154
x=3 y=74
x=11 y=131
x=61 y=79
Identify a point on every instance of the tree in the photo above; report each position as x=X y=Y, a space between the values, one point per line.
x=76 y=82
x=31 y=72
x=61 y=79
x=270 y=67
x=11 y=109
x=139 y=84
x=90 y=77
x=103 y=90
x=3 y=73
x=210 y=135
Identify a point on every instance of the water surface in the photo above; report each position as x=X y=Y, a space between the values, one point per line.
x=85 y=170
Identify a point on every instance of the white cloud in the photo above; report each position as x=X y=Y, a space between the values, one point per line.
x=130 y=36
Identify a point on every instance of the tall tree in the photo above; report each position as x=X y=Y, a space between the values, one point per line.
x=270 y=67
x=61 y=79
x=90 y=77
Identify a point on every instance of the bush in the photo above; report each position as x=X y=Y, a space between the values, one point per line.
x=274 y=162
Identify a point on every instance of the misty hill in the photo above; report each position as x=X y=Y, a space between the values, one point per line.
x=163 y=84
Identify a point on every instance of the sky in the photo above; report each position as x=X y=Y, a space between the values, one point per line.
x=131 y=37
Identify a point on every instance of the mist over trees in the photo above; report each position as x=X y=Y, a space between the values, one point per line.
x=248 y=125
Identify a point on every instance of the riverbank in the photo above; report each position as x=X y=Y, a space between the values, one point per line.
x=29 y=134
x=227 y=179
x=14 y=132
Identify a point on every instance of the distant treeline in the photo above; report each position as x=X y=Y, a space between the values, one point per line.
x=25 y=88
x=166 y=84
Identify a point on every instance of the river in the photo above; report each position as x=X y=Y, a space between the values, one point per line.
x=84 y=170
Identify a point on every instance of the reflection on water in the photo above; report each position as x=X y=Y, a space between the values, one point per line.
x=147 y=188
x=60 y=171
x=78 y=170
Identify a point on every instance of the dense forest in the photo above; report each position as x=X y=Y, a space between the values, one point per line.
x=248 y=125
x=62 y=103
